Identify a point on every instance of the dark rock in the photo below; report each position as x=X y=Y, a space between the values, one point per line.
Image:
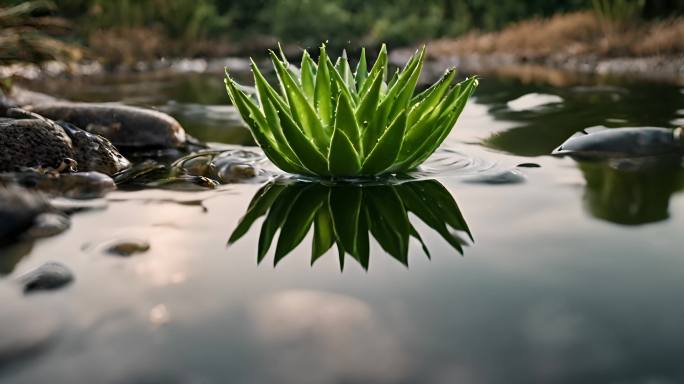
x=93 y=152
x=32 y=143
x=49 y=276
x=124 y=126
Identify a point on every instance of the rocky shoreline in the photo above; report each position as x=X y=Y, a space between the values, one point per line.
x=558 y=69
x=53 y=149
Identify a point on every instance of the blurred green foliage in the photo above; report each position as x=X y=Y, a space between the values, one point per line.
x=341 y=22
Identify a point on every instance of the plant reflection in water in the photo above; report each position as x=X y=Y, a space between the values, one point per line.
x=345 y=214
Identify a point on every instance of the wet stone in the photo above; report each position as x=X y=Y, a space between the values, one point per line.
x=50 y=276
x=126 y=248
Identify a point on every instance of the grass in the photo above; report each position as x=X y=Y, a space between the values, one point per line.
x=577 y=33
x=328 y=121
x=25 y=37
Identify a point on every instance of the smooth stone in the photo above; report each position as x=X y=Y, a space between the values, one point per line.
x=47 y=277
x=128 y=247
x=124 y=126
x=622 y=143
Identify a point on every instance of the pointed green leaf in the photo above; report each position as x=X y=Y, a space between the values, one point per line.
x=388 y=221
x=380 y=66
x=298 y=221
x=302 y=112
x=343 y=160
x=259 y=128
x=345 y=120
x=308 y=154
x=324 y=236
x=345 y=208
x=308 y=77
x=384 y=153
x=274 y=219
x=322 y=93
x=260 y=204
x=361 y=73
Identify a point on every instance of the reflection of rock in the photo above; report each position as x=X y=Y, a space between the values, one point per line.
x=28 y=330
x=47 y=277
x=18 y=211
x=124 y=126
x=81 y=185
x=317 y=337
x=630 y=196
x=11 y=255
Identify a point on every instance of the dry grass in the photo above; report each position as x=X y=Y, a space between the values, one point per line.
x=571 y=34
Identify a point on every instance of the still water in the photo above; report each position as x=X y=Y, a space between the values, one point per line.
x=540 y=269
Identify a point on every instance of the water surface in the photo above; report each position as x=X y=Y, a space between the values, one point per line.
x=574 y=273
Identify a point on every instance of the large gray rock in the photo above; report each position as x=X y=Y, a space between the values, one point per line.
x=124 y=126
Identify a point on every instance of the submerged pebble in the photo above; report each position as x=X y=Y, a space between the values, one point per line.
x=49 y=276
x=128 y=247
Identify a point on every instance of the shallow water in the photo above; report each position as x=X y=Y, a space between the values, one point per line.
x=575 y=272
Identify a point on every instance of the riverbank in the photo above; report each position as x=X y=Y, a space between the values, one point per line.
x=565 y=48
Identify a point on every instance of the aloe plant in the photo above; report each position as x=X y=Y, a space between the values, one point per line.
x=326 y=120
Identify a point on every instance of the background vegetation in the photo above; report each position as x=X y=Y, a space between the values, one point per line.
x=122 y=28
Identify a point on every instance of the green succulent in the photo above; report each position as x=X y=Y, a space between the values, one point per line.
x=325 y=120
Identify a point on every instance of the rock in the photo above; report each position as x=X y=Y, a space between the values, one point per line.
x=48 y=224
x=81 y=185
x=18 y=211
x=94 y=153
x=623 y=143
x=49 y=276
x=124 y=126
x=128 y=247
x=35 y=142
